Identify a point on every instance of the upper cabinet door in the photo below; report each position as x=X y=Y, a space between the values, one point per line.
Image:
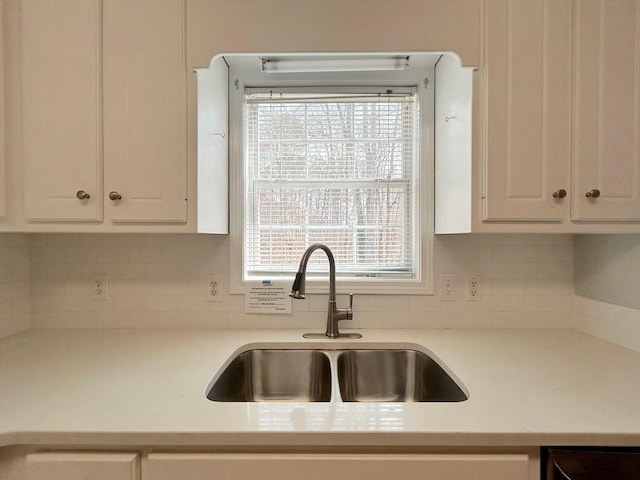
x=526 y=77
x=145 y=111
x=606 y=145
x=61 y=141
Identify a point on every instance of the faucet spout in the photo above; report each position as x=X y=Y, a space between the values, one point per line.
x=298 y=287
x=334 y=315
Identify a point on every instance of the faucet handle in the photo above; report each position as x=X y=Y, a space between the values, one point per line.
x=350 y=308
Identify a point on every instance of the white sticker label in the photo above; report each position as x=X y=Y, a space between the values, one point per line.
x=268 y=297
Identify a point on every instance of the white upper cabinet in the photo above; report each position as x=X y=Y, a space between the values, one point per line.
x=526 y=91
x=61 y=110
x=106 y=104
x=104 y=113
x=606 y=135
x=145 y=111
x=560 y=103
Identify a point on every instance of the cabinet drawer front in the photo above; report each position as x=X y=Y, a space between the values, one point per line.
x=82 y=466
x=336 y=467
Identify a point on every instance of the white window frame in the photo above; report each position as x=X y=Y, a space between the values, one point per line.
x=423 y=79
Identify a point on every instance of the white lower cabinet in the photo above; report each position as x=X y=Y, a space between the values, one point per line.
x=337 y=467
x=82 y=466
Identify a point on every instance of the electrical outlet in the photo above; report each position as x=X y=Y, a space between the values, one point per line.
x=214 y=288
x=447 y=290
x=472 y=290
x=100 y=286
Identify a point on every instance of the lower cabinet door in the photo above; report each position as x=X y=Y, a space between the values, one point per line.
x=82 y=466
x=337 y=467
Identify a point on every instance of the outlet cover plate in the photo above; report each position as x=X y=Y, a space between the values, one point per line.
x=213 y=291
x=447 y=287
x=99 y=286
x=472 y=289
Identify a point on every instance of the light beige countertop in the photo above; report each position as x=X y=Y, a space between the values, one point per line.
x=106 y=388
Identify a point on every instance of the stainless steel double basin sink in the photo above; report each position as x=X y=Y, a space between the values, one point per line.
x=359 y=373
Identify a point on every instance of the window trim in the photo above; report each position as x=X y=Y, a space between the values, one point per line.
x=240 y=78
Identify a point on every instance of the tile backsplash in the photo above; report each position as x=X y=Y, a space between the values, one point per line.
x=526 y=281
x=159 y=281
x=613 y=323
x=15 y=289
x=606 y=268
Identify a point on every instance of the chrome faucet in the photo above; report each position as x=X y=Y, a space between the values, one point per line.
x=334 y=315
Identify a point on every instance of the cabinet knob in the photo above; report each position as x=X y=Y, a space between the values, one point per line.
x=115 y=196
x=561 y=193
x=595 y=193
x=82 y=195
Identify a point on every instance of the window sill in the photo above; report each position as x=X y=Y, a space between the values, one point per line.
x=343 y=287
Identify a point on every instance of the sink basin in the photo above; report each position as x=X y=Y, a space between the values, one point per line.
x=263 y=375
x=394 y=376
x=348 y=373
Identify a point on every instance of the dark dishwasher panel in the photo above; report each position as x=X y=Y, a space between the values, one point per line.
x=592 y=464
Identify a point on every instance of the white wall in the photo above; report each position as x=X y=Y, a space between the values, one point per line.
x=159 y=281
x=15 y=289
x=217 y=26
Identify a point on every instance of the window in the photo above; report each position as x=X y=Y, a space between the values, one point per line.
x=343 y=159
x=336 y=168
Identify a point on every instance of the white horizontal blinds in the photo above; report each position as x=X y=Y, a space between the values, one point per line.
x=336 y=168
